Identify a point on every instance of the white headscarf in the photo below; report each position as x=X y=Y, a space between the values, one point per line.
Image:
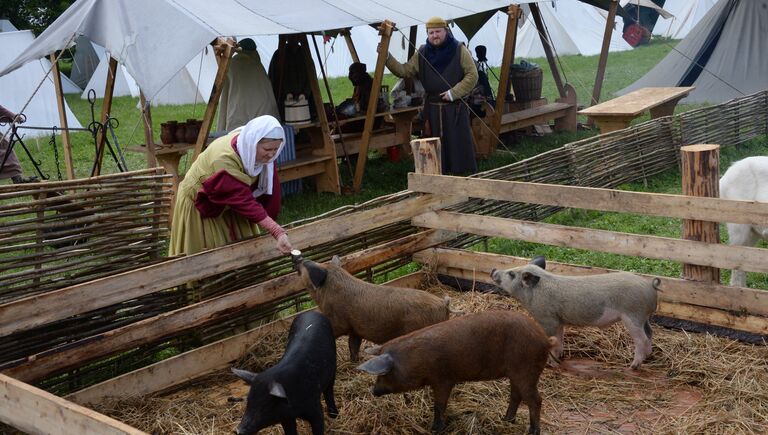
x=247 y=143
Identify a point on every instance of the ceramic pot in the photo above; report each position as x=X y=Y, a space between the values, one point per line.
x=181 y=132
x=168 y=132
x=193 y=128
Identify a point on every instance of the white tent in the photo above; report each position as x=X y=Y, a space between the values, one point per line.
x=84 y=62
x=686 y=14
x=154 y=51
x=17 y=87
x=6 y=26
x=723 y=56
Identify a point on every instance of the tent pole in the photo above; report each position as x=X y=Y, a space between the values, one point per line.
x=106 y=109
x=385 y=30
x=609 y=23
x=223 y=51
x=350 y=45
x=329 y=180
x=508 y=57
x=146 y=116
x=412 y=34
x=547 y=44
x=62 y=118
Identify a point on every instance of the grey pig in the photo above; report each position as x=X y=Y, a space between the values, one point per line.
x=594 y=300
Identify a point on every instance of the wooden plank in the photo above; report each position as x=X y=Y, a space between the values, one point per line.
x=41 y=309
x=637 y=102
x=610 y=21
x=385 y=30
x=63 y=123
x=350 y=45
x=514 y=12
x=301 y=167
x=192 y=364
x=185 y=318
x=534 y=116
x=479 y=264
x=35 y=411
x=591 y=198
x=661 y=248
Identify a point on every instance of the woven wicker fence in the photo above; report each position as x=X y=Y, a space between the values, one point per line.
x=602 y=161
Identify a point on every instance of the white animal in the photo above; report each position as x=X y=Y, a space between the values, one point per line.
x=747 y=180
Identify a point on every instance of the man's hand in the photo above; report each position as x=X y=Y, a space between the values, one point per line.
x=283 y=244
x=446 y=96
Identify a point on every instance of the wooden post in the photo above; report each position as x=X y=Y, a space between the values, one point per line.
x=328 y=181
x=427 y=155
x=350 y=45
x=609 y=23
x=700 y=167
x=62 y=118
x=146 y=116
x=547 y=47
x=223 y=51
x=106 y=108
x=508 y=57
x=385 y=30
x=412 y=35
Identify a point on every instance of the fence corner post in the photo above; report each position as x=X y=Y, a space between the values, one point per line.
x=700 y=168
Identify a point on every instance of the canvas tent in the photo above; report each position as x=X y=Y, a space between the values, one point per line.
x=723 y=56
x=685 y=15
x=17 y=87
x=84 y=62
x=6 y=26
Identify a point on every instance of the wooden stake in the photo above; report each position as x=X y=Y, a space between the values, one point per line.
x=427 y=155
x=223 y=51
x=700 y=167
x=609 y=23
x=510 y=40
x=385 y=30
x=148 y=137
x=547 y=44
x=106 y=108
x=350 y=45
x=62 y=119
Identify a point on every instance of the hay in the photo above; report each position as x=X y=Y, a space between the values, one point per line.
x=691 y=383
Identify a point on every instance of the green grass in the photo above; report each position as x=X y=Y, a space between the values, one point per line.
x=383 y=177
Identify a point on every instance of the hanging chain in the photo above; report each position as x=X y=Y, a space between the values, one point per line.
x=52 y=142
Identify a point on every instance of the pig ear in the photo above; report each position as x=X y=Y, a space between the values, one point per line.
x=276 y=389
x=245 y=375
x=316 y=273
x=539 y=261
x=336 y=261
x=381 y=365
x=530 y=279
x=373 y=350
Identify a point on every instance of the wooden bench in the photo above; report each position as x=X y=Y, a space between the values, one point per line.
x=616 y=114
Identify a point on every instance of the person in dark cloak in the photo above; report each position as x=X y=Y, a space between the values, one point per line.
x=446 y=69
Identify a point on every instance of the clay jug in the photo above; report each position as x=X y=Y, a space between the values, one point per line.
x=168 y=132
x=181 y=132
x=192 y=129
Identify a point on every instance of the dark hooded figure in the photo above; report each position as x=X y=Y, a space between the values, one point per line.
x=446 y=69
x=363 y=82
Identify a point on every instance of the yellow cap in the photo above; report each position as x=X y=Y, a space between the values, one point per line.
x=436 y=23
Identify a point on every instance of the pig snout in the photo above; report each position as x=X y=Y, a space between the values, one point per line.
x=378 y=391
x=495 y=275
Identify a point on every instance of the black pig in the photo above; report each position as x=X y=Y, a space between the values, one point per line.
x=291 y=388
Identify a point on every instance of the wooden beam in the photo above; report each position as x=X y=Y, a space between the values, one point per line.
x=149 y=139
x=591 y=198
x=35 y=411
x=547 y=44
x=739 y=300
x=350 y=45
x=223 y=52
x=170 y=323
x=106 y=109
x=662 y=248
x=41 y=309
x=507 y=59
x=193 y=364
x=609 y=23
x=385 y=30
x=62 y=119
x=329 y=180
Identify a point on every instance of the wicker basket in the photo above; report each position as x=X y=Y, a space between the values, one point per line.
x=526 y=84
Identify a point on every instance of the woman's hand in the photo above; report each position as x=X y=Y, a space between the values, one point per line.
x=283 y=244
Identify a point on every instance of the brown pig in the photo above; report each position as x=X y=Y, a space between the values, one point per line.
x=368 y=311
x=476 y=347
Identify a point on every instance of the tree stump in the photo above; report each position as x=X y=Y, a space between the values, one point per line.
x=426 y=155
x=700 y=168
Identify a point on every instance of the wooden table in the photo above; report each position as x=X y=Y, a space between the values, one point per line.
x=616 y=114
